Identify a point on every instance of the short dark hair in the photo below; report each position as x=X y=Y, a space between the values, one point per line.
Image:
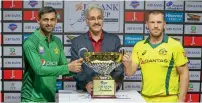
x=153 y=12
x=46 y=9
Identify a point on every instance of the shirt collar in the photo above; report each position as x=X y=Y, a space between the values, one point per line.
x=165 y=39
x=41 y=36
x=90 y=36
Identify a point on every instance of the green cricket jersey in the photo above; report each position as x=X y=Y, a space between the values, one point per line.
x=44 y=62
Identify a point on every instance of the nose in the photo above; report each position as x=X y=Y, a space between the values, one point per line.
x=155 y=25
x=49 y=22
x=96 y=20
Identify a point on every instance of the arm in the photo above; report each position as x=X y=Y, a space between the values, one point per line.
x=181 y=60
x=63 y=61
x=33 y=57
x=184 y=81
x=85 y=76
x=131 y=63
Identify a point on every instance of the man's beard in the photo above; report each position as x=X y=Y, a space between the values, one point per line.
x=157 y=36
x=46 y=31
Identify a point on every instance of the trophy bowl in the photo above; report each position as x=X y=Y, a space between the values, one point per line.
x=103 y=63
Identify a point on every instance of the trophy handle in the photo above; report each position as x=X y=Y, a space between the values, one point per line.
x=82 y=49
x=122 y=51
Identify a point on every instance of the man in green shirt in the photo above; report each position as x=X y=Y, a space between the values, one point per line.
x=44 y=60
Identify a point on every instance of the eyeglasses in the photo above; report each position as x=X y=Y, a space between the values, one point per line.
x=93 y=19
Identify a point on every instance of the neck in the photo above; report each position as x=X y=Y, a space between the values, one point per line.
x=96 y=35
x=156 y=40
x=45 y=34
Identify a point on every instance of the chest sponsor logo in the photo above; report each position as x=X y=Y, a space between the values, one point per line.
x=48 y=63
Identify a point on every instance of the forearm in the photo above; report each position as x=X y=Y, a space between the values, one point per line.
x=129 y=71
x=184 y=82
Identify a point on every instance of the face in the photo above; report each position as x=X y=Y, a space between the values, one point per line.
x=156 y=24
x=95 y=20
x=47 y=22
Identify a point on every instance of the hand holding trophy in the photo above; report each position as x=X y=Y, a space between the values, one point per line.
x=103 y=63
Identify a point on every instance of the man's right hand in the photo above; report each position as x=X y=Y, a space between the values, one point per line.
x=75 y=66
x=89 y=87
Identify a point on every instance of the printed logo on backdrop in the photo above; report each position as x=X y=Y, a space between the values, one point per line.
x=12 y=51
x=12 y=74
x=30 y=15
x=54 y=4
x=192 y=98
x=174 y=29
x=146 y=29
x=132 y=86
x=60 y=15
x=193 y=17
x=69 y=85
x=12 y=86
x=133 y=28
x=134 y=5
x=12 y=27
x=192 y=41
x=12 y=4
x=194 y=87
x=67 y=51
x=58 y=28
x=68 y=38
x=76 y=21
x=12 y=97
x=13 y=62
x=134 y=16
x=174 y=5
x=59 y=85
x=136 y=76
x=174 y=16
x=194 y=75
x=192 y=29
x=178 y=38
x=194 y=64
x=193 y=52
x=33 y=4
x=154 y=5
x=193 y=6
x=30 y=27
x=12 y=39
x=132 y=39
x=12 y=15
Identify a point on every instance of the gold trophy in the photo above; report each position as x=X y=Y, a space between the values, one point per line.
x=103 y=63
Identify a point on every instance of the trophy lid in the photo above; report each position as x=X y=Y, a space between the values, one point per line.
x=103 y=56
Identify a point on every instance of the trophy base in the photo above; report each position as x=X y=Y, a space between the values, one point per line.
x=103 y=96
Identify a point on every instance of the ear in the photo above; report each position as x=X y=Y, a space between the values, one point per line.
x=87 y=21
x=147 y=24
x=164 y=24
x=38 y=20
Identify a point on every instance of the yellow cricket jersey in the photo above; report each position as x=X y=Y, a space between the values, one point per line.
x=158 y=65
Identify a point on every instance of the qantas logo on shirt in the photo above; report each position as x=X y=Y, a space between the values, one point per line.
x=49 y=63
x=153 y=61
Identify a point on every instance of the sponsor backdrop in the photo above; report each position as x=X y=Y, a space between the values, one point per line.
x=124 y=18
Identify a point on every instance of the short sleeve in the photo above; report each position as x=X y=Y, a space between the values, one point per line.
x=180 y=57
x=135 y=54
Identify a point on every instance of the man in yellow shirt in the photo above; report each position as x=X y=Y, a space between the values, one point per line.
x=163 y=62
